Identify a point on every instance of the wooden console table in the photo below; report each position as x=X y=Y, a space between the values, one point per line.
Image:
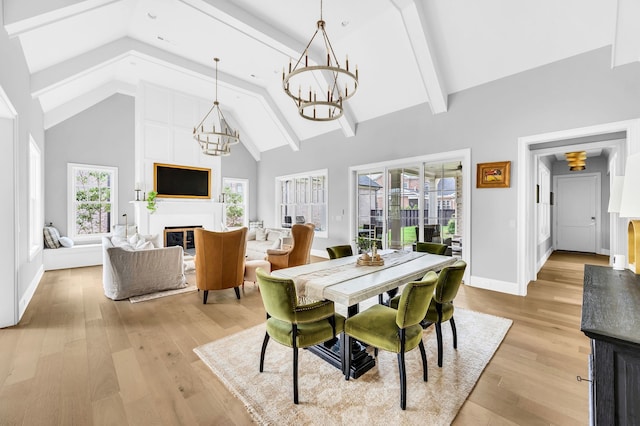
x=611 y=318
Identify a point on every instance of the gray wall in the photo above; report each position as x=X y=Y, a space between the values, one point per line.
x=241 y=165
x=593 y=165
x=576 y=92
x=101 y=135
x=15 y=81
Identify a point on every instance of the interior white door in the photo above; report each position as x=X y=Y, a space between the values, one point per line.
x=577 y=213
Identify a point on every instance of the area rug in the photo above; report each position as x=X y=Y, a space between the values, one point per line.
x=156 y=295
x=374 y=398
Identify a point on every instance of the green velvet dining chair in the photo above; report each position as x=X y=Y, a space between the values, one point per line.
x=392 y=330
x=295 y=325
x=433 y=248
x=441 y=306
x=337 y=252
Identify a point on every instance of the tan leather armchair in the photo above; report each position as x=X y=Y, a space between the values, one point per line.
x=299 y=253
x=219 y=260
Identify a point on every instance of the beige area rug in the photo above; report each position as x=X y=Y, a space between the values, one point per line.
x=159 y=294
x=372 y=399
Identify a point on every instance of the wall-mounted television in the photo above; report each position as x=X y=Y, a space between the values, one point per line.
x=172 y=181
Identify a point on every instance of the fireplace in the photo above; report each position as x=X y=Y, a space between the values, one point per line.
x=181 y=236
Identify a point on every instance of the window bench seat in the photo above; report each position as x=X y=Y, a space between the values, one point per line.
x=72 y=257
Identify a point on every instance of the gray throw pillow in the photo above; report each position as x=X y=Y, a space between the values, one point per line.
x=51 y=237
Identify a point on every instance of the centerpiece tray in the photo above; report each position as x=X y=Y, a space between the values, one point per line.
x=370 y=262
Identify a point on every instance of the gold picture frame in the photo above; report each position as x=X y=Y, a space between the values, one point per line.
x=494 y=175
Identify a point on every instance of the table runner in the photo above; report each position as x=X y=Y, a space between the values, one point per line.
x=310 y=287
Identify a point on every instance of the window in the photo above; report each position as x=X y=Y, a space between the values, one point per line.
x=92 y=200
x=35 y=198
x=236 y=197
x=302 y=198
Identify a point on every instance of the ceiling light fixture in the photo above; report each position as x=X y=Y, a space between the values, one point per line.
x=319 y=104
x=576 y=160
x=214 y=135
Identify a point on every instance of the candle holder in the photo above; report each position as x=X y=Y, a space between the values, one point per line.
x=138 y=194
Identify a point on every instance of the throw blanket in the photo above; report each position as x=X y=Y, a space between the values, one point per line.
x=310 y=287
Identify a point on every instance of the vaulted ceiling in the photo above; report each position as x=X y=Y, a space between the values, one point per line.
x=408 y=52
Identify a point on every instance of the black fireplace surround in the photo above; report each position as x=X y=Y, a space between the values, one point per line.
x=181 y=236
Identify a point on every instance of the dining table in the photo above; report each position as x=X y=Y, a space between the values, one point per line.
x=348 y=283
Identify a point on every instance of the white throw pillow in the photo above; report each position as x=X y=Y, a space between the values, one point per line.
x=261 y=234
x=119 y=241
x=153 y=239
x=136 y=238
x=273 y=236
x=143 y=245
x=277 y=244
x=251 y=235
x=66 y=241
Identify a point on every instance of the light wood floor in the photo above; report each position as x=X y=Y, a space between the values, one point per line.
x=79 y=358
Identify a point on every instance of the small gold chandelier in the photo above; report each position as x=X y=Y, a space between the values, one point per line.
x=318 y=104
x=215 y=139
x=576 y=160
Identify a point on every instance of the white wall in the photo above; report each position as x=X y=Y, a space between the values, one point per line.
x=15 y=81
x=576 y=92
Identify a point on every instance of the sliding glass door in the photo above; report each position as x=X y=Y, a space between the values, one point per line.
x=397 y=206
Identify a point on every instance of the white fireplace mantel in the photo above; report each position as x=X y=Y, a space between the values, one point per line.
x=208 y=214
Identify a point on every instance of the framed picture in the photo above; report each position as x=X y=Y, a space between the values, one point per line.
x=494 y=175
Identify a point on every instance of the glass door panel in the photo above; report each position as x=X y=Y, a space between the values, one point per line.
x=370 y=205
x=402 y=207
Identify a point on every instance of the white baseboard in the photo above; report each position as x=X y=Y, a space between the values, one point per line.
x=544 y=259
x=28 y=295
x=494 y=285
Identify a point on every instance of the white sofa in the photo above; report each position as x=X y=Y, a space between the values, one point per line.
x=128 y=272
x=259 y=240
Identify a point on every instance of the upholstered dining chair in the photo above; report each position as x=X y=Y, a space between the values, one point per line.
x=392 y=330
x=300 y=251
x=441 y=306
x=337 y=252
x=294 y=325
x=433 y=248
x=219 y=260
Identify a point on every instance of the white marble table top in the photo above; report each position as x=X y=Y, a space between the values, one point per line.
x=353 y=291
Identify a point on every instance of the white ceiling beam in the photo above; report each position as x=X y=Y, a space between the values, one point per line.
x=86 y=100
x=67 y=71
x=415 y=24
x=227 y=13
x=21 y=16
x=626 y=42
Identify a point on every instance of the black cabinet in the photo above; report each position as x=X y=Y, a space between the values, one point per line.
x=611 y=318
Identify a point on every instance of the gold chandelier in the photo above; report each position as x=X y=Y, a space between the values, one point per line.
x=316 y=104
x=576 y=160
x=215 y=136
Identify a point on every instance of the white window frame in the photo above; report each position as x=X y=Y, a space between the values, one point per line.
x=35 y=199
x=245 y=182
x=310 y=175
x=71 y=215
